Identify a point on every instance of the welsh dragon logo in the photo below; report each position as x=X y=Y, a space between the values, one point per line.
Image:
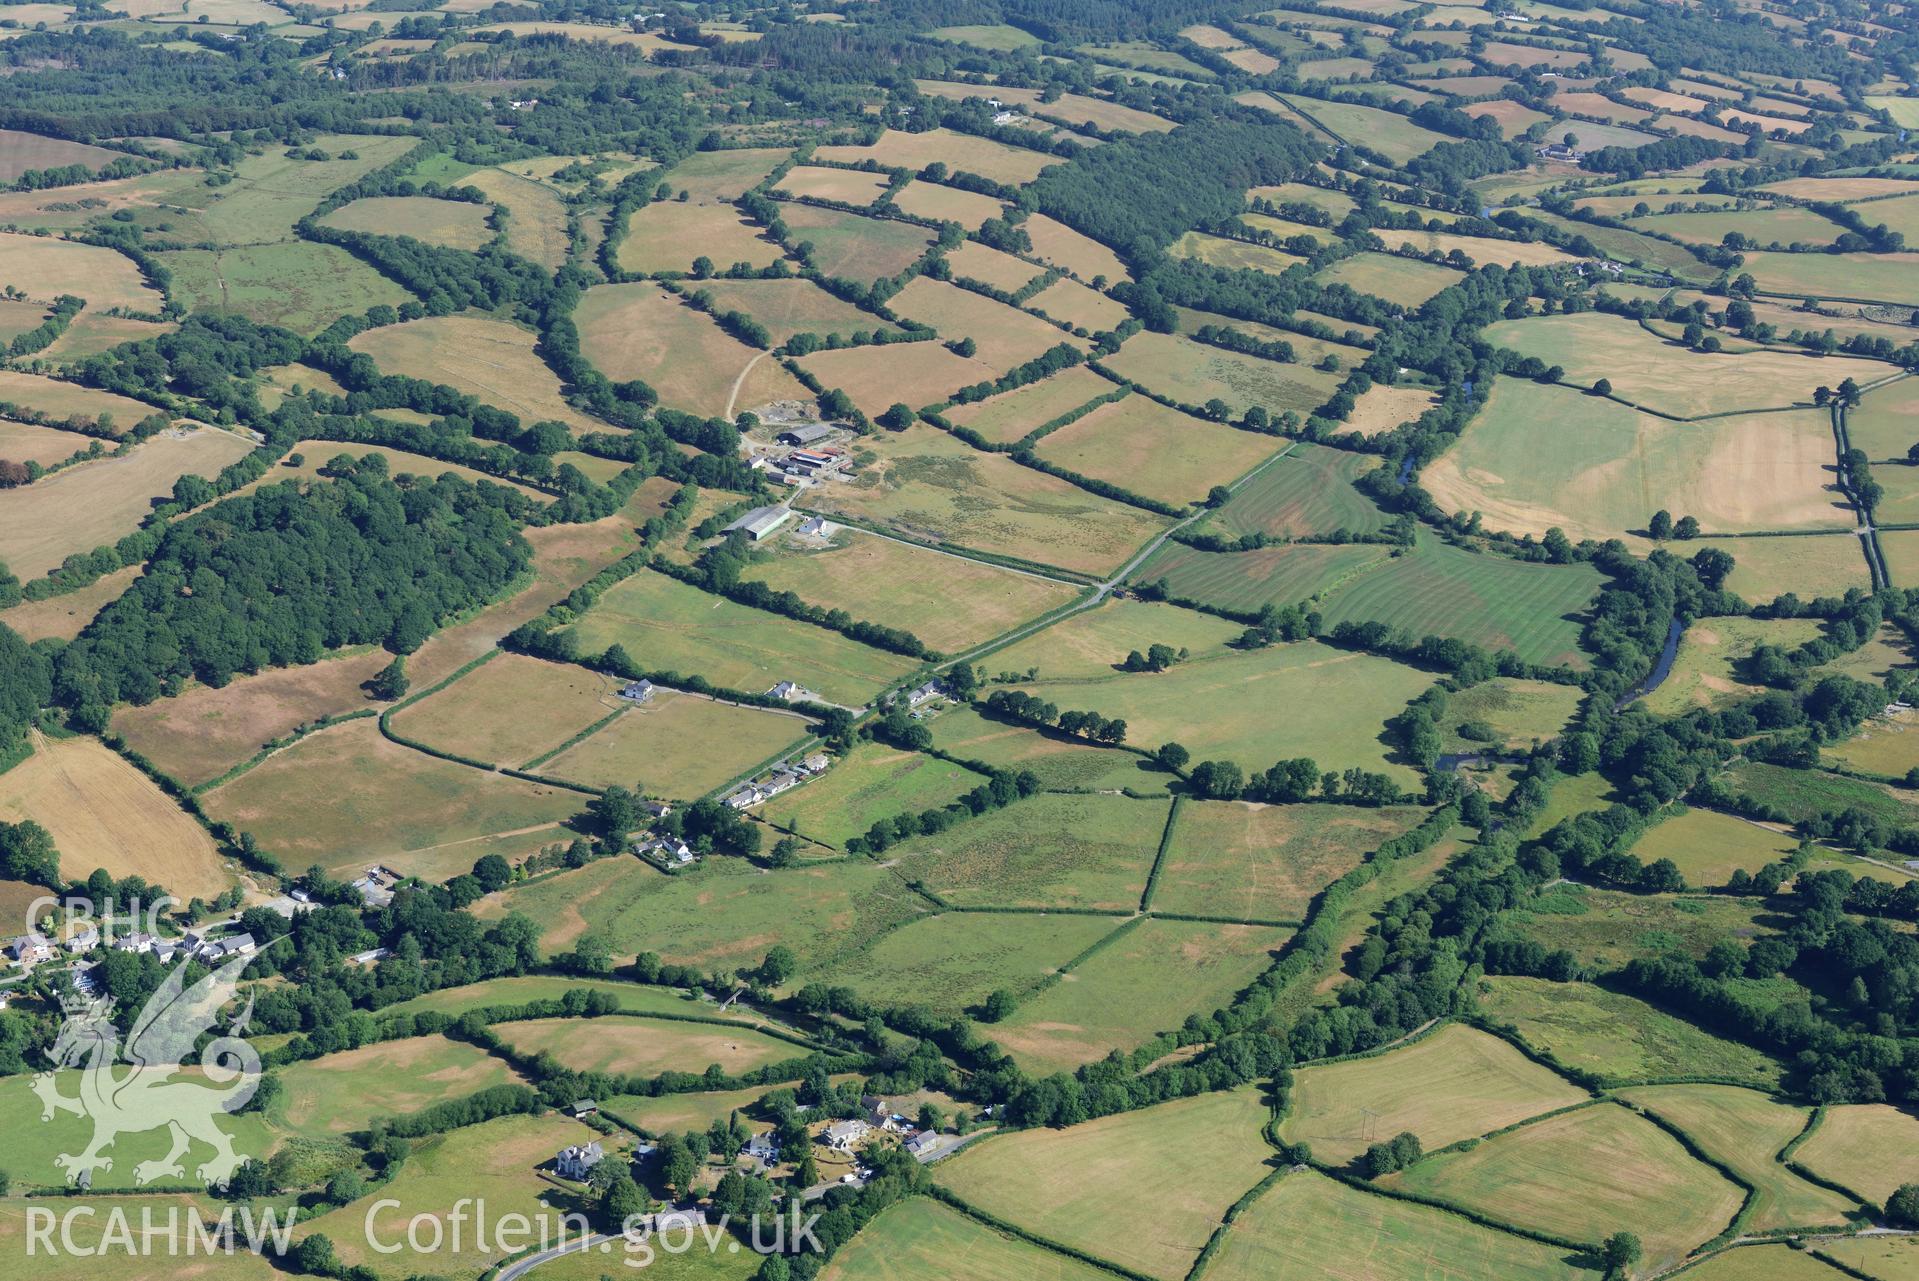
x=151 y=1093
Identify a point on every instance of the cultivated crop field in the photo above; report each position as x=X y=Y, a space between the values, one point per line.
x=667 y=626
x=1245 y=581
x=1308 y=491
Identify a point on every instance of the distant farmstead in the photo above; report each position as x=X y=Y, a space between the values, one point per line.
x=805 y=434
x=761 y=521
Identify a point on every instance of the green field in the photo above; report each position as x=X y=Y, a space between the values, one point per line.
x=665 y=625
x=1618 y=1036
x=1061 y=764
x=1266 y=862
x=645 y=748
x=851 y=247
x=1050 y=850
x=1868 y=1148
x=332 y=1096
x=1406 y=281
x=1705 y=670
x=871 y=782
x=1809 y=566
x=950 y=962
x=1883 y=278
x=1885 y=423
x=1743 y=1129
x=1627 y=246
x=1606 y=929
x=1518 y=712
x=1708 y=847
x=920 y=1237
x=32 y=1144
x=1393 y=136
x=1140 y=445
x=633 y=998
x=509 y=711
x=1785 y=226
x=1803 y=793
x=789 y=307
x=1147 y=980
x=1306 y=1220
x=451 y=224
x=1457 y=1083
x=645 y=1047
x=1245 y=582
x=1438 y=589
x=1087 y=1186
x=1308 y=491
x=1582 y=1175
x=1194 y=373
x=299 y=285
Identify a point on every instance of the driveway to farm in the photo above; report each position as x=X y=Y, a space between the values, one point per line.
x=513 y=1271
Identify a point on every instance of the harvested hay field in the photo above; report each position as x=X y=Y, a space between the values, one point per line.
x=1606 y=468
x=646 y=1047
x=929 y=486
x=1288 y=574
x=1785 y=225
x=1084 y=308
x=645 y=747
x=869 y=783
x=789 y=307
x=1582 y=1174
x=1383 y=408
x=1812 y=566
x=1266 y=862
x=919 y=1237
x=1011 y=415
x=536 y=219
x=333 y=1096
x=485 y=358
x=1482 y=251
x=841 y=186
x=1708 y=847
x=1617 y=1036
x=1194 y=373
x=23 y=443
x=666 y=625
x=1309 y=490
x=949 y=603
x=1004 y=336
x=104 y=813
x=386 y=804
x=668 y=235
x=72 y=403
x=1091 y=644
x=44 y=268
x=1885 y=423
x=1084 y=258
x=1049 y=850
x=451 y=224
x=1437 y=589
x=851 y=246
x=1083 y=1186
x=1139 y=444
x=1014 y=166
x=1883 y=278
x=1457 y=1083
x=1869 y=1148
x=83 y=507
x=640 y=331
x=947 y=204
x=510 y=710
x=993 y=267
x=200 y=734
x=1406 y=281
x=1742 y=1130
x=914 y=374
x=954 y=961
x=1306 y=1219
x=1146 y=980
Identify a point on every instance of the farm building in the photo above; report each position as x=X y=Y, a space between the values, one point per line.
x=805 y=434
x=638 y=691
x=760 y=522
x=578 y=1161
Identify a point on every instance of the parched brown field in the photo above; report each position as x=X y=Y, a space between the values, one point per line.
x=1266 y=862
x=1079 y=306
x=723 y=175
x=66 y=615
x=932 y=487
x=642 y=1047
x=45 y=268
x=947 y=204
x=19 y=151
x=896 y=150
x=1457 y=1083
x=948 y=602
x=104 y=813
x=1011 y=415
x=975 y=261
x=844 y=186
x=789 y=307
x=641 y=331
x=1539 y=456
x=346 y=797
x=1811 y=566
x=1085 y=258
x=65 y=401
x=1871 y=1148
x=510 y=710
x=200 y=734
x=646 y=748
x=668 y=235
x=852 y=246
x=486 y=358
x=1384 y=407
x=1194 y=373
x=1514 y=117
x=82 y=507
x=454 y=224
x=1406 y=281
x=1072 y=107
x=24 y=443
x=536 y=220
x=915 y=374
x=1482 y=250
x=1843 y=189
x=94 y=332
x=1139 y=444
